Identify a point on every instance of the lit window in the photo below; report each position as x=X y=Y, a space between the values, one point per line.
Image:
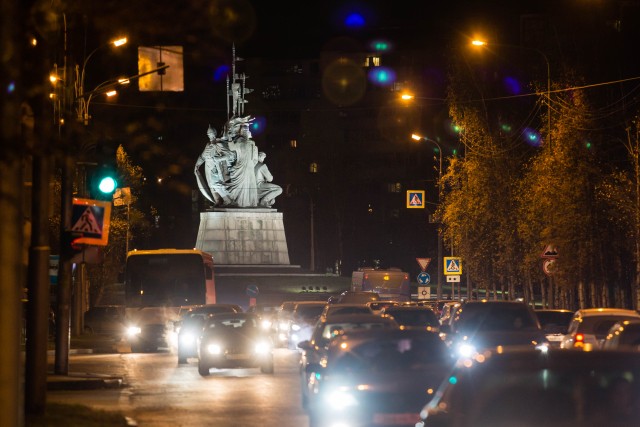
x=293 y=143
x=313 y=167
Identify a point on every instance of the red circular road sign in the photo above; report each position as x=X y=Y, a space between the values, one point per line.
x=547 y=266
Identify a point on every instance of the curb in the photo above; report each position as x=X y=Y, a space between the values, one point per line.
x=78 y=381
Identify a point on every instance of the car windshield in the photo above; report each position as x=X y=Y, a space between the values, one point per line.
x=306 y=311
x=394 y=354
x=232 y=323
x=498 y=317
x=555 y=321
x=336 y=309
x=599 y=325
x=331 y=330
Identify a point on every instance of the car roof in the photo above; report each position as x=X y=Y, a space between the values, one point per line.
x=587 y=312
x=362 y=335
x=356 y=317
x=552 y=310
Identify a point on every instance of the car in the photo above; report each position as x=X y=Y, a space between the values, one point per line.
x=530 y=388
x=283 y=322
x=191 y=323
x=446 y=311
x=480 y=325
x=623 y=335
x=357 y=297
x=327 y=328
x=105 y=319
x=589 y=327
x=234 y=340
x=377 y=306
x=554 y=323
x=377 y=377
x=303 y=320
x=333 y=309
x=409 y=316
x=268 y=317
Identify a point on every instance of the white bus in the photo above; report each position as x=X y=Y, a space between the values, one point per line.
x=158 y=283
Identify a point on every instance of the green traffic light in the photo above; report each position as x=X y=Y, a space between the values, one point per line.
x=107 y=185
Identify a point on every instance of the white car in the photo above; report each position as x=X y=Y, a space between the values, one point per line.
x=590 y=326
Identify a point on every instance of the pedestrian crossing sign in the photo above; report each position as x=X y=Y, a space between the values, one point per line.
x=90 y=219
x=452 y=265
x=415 y=199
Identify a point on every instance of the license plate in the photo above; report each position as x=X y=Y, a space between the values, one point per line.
x=238 y=356
x=407 y=418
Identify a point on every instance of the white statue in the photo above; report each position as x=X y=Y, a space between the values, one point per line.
x=267 y=192
x=217 y=159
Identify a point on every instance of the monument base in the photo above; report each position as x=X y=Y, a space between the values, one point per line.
x=246 y=236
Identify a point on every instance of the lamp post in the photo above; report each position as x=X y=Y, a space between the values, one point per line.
x=82 y=100
x=417 y=137
x=481 y=43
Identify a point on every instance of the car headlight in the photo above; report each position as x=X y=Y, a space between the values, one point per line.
x=283 y=326
x=295 y=327
x=266 y=324
x=543 y=347
x=214 y=349
x=340 y=399
x=466 y=350
x=132 y=331
x=187 y=338
x=262 y=348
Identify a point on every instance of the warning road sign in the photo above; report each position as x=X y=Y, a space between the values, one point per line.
x=90 y=219
x=415 y=199
x=452 y=265
x=423 y=263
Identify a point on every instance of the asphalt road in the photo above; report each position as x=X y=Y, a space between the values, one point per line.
x=159 y=392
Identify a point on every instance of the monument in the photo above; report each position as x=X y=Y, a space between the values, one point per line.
x=242 y=230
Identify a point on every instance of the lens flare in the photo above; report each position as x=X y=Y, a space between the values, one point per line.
x=382 y=76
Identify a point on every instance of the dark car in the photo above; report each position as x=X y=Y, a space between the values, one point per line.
x=377 y=377
x=326 y=329
x=357 y=297
x=303 y=320
x=479 y=325
x=234 y=341
x=413 y=316
x=554 y=323
x=105 y=319
x=335 y=309
x=191 y=323
x=556 y=388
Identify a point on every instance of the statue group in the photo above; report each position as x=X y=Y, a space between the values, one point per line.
x=235 y=174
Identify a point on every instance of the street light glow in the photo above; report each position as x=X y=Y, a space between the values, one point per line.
x=407 y=96
x=478 y=43
x=416 y=137
x=120 y=42
x=111 y=93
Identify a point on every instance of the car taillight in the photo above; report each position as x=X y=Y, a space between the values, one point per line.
x=579 y=340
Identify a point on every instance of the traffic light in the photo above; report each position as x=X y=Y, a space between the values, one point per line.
x=104 y=180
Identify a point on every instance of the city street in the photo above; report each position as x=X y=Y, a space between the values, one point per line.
x=159 y=392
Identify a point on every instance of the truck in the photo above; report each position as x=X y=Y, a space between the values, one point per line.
x=390 y=284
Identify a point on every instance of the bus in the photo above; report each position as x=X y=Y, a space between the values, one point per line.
x=158 y=284
x=390 y=284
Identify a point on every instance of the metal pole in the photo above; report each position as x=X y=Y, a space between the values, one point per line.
x=312 y=262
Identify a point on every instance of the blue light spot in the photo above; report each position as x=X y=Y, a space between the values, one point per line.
x=221 y=73
x=532 y=137
x=258 y=125
x=11 y=87
x=382 y=76
x=453 y=380
x=354 y=20
x=512 y=85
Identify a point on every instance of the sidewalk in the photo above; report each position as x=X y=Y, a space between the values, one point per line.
x=87 y=344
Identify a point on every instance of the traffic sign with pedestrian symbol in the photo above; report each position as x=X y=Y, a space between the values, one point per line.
x=452 y=265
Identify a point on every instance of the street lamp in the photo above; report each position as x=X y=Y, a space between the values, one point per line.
x=482 y=43
x=417 y=137
x=83 y=101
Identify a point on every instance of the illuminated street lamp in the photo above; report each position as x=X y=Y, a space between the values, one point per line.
x=81 y=96
x=482 y=43
x=417 y=137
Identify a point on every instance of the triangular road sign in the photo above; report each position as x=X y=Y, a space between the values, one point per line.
x=87 y=223
x=550 y=251
x=423 y=263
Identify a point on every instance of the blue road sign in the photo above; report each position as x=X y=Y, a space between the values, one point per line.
x=252 y=291
x=424 y=278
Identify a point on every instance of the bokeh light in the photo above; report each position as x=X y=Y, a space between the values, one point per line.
x=258 y=125
x=354 y=20
x=221 y=73
x=506 y=127
x=512 y=85
x=11 y=87
x=232 y=20
x=344 y=82
x=382 y=76
x=380 y=45
x=532 y=137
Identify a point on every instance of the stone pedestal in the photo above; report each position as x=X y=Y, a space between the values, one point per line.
x=253 y=236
